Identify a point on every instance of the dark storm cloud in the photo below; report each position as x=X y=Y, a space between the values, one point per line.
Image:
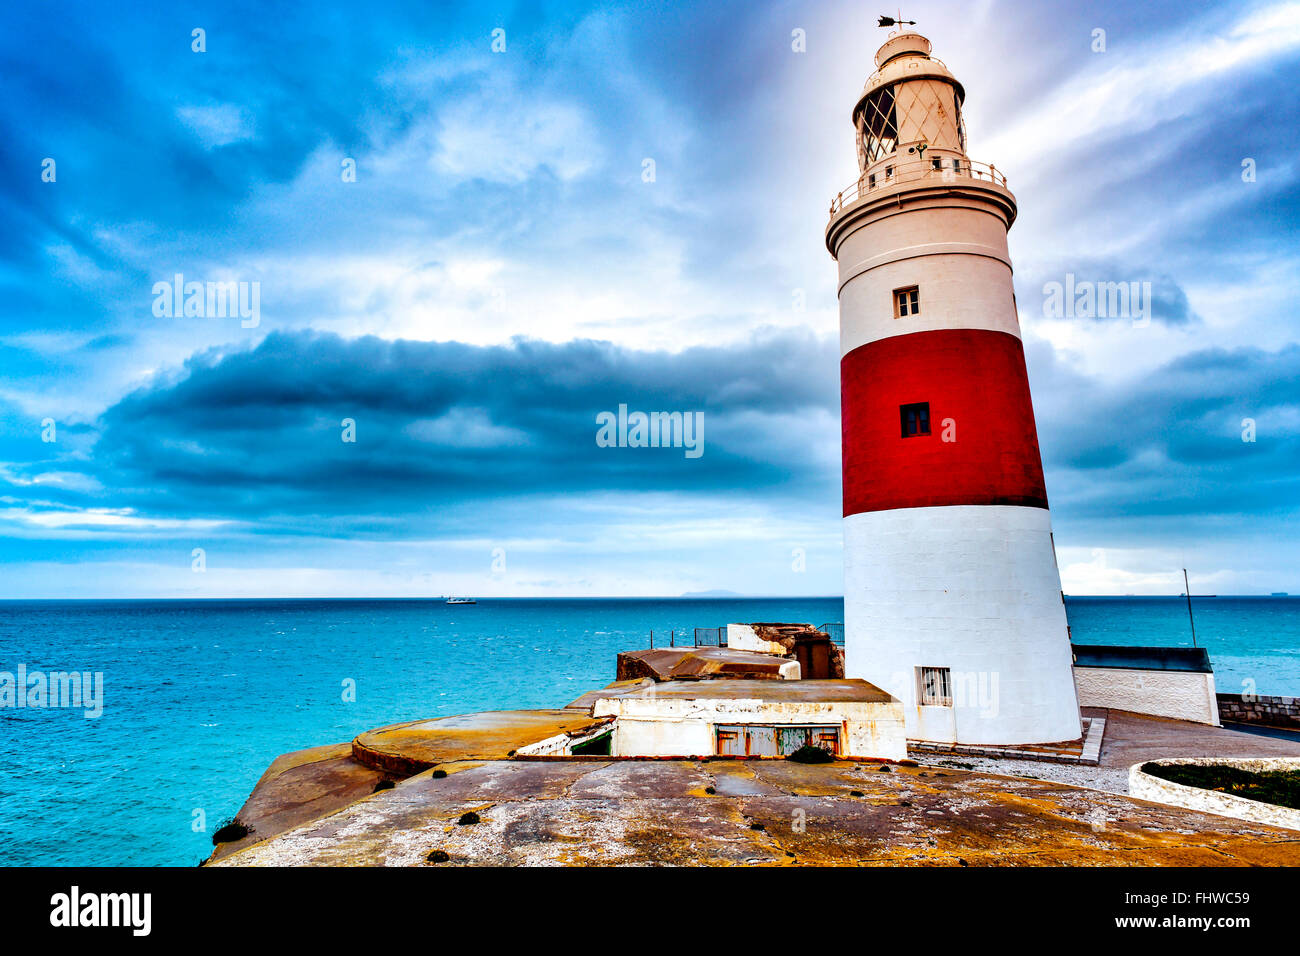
x=258 y=432
x=1174 y=442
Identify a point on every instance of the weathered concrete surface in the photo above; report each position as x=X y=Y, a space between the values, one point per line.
x=699 y=663
x=589 y=812
x=790 y=692
x=616 y=689
x=302 y=786
x=418 y=745
x=1131 y=738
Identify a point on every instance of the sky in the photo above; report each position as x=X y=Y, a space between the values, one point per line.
x=473 y=228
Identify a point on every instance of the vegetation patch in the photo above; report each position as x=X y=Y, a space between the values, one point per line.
x=230 y=831
x=1278 y=787
x=810 y=754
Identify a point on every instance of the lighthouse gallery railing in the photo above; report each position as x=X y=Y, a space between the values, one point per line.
x=888 y=176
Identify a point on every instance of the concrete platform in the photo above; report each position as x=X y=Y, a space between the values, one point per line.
x=772 y=692
x=618 y=688
x=771 y=813
x=417 y=745
x=317 y=806
x=302 y=786
x=1134 y=737
x=1085 y=750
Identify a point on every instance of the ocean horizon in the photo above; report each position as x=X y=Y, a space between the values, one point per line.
x=200 y=695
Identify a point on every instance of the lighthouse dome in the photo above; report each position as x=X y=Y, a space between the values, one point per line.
x=906 y=56
x=900 y=43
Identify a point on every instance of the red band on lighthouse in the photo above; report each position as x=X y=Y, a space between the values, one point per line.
x=982 y=448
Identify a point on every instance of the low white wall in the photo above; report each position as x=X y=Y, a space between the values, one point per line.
x=1182 y=695
x=742 y=637
x=662 y=738
x=1143 y=786
x=561 y=745
x=659 y=727
x=885 y=738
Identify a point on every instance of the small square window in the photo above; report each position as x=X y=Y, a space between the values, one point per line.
x=936 y=163
x=956 y=165
x=934 y=686
x=915 y=419
x=889 y=171
x=907 y=302
x=871 y=181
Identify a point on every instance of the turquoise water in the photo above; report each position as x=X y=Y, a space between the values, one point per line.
x=200 y=696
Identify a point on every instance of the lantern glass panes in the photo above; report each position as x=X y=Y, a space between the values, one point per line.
x=879 y=125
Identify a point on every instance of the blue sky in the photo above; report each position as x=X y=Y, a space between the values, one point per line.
x=500 y=272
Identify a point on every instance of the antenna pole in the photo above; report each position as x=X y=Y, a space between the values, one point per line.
x=1188 y=590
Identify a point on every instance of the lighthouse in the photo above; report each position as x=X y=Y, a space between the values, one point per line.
x=952 y=596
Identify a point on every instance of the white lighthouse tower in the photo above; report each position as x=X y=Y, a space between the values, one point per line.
x=952 y=597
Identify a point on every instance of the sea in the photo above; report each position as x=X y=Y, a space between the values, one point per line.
x=198 y=697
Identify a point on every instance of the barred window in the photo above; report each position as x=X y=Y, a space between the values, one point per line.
x=935 y=686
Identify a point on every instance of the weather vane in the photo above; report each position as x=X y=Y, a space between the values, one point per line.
x=891 y=22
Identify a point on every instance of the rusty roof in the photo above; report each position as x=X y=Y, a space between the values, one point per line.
x=775 y=691
x=694 y=663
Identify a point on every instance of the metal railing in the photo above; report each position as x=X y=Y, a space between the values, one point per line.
x=717 y=636
x=835 y=630
x=711 y=636
x=915 y=172
x=702 y=637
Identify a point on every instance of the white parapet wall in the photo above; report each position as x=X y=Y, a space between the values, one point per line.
x=680 y=718
x=1144 y=786
x=744 y=638
x=1181 y=695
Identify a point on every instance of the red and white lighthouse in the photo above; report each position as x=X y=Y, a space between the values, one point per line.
x=952 y=597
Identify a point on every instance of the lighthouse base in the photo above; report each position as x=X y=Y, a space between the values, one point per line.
x=957 y=612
